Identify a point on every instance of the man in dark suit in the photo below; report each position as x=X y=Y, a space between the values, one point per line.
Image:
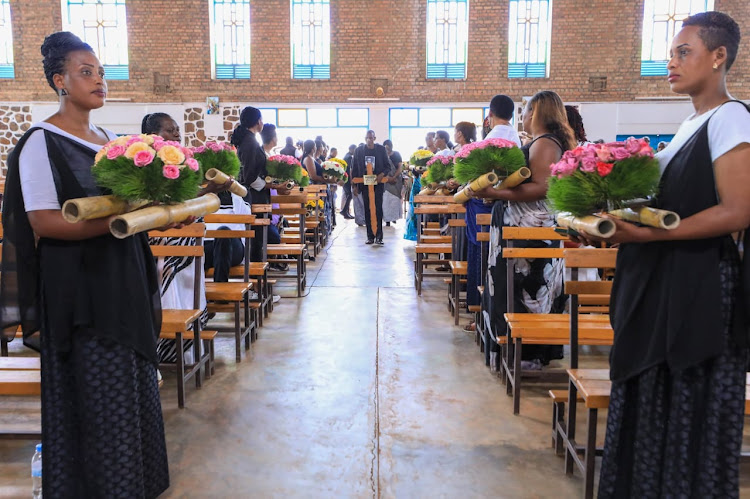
x=289 y=148
x=381 y=167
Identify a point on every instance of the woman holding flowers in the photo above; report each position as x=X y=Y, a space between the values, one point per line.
x=94 y=297
x=678 y=310
x=538 y=282
x=176 y=273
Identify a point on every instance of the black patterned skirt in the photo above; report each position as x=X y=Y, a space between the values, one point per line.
x=679 y=434
x=102 y=426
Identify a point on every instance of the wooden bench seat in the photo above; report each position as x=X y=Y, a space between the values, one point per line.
x=458 y=269
x=558 y=333
x=593 y=386
x=205 y=335
x=175 y=320
x=26 y=382
x=20 y=363
x=521 y=317
x=436 y=239
x=432 y=249
x=226 y=291
x=287 y=253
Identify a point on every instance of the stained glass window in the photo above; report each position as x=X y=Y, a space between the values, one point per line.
x=661 y=20
x=529 y=29
x=230 y=38
x=447 y=38
x=103 y=25
x=311 y=39
x=6 y=41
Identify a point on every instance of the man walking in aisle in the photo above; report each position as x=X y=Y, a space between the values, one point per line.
x=375 y=155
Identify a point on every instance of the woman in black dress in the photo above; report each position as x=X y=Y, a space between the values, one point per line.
x=253 y=172
x=679 y=314
x=96 y=301
x=539 y=281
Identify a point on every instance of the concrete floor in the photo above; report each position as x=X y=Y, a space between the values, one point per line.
x=360 y=389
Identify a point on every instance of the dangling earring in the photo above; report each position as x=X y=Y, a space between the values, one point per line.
x=716 y=66
x=65 y=92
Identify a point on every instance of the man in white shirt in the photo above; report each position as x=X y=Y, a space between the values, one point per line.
x=501 y=112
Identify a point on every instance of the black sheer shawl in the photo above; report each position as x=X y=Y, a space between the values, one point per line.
x=103 y=285
x=666 y=298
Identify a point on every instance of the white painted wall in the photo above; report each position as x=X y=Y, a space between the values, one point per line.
x=603 y=120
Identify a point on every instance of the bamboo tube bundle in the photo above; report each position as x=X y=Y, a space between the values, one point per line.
x=80 y=209
x=590 y=224
x=154 y=217
x=219 y=177
x=428 y=190
x=281 y=184
x=478 y=184
x=652 y=217
x=516 y=178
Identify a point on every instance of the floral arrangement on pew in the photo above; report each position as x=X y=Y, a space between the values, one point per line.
x=419 y=160
x=313 y=205
x=335 y=169
x=618 y=178
x=484 y=163
x=439 y=171
x=219 y=163
x=143 y=170
x=284 y=172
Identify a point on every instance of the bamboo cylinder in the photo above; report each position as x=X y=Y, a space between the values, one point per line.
x=480 y=183
x=280 y=184
x=158 y=216
x=653 y=217
x=219 y=177
x=515 y=178
x=79 y=209
x=590 y=224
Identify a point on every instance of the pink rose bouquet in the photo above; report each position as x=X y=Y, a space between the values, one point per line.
x=597 y=177
x=147 y=168
x=219 y=155
x=500 y=156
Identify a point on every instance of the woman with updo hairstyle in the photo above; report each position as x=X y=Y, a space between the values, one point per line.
x=253 y=171
x=681 y=298
x=87 y=300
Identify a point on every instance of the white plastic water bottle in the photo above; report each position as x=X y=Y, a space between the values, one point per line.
x=36 y=472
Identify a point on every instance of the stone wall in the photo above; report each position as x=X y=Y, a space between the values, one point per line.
x=14 y=121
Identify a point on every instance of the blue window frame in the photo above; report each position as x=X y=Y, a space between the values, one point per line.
x=661 y=20
x=311 y=39
x=6 y=41
x=103 y=25
x=339 y=126
x=447 y=38
x=529 y=29
x=230 y=38
x=408 y=126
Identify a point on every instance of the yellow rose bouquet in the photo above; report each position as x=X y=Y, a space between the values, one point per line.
x=140 y=170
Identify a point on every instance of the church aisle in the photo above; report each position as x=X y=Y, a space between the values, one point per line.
x=360 y=389
x=310 y=416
